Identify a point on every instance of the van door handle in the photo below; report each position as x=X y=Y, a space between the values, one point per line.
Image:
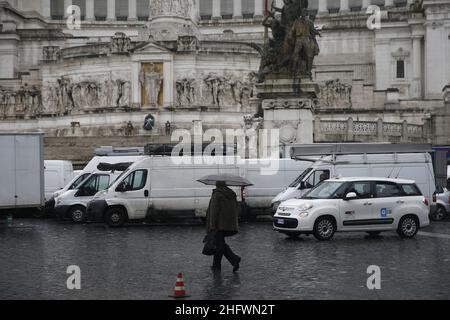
x=368 y=203
x=400 y=201
x=146 y=193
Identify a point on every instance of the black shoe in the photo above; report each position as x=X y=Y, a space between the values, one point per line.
x=215 y=268
x=236 y=264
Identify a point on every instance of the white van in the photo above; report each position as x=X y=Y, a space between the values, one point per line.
x=269 y=178
x=72 y=203
x=87 y=170
x=57 y=174
x=414 y=166
x=159 y=186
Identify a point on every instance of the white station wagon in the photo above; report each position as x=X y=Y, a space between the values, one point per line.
x=370 y=204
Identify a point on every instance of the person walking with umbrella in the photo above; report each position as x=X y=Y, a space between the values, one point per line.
x=222 y=216
x=222 y=221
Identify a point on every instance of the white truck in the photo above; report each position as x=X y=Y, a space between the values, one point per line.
x=162 y=187
x=57 y=174
x=22 y=174
x=393 y=161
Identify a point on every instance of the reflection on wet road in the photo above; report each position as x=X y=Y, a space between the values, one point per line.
x=142 y=261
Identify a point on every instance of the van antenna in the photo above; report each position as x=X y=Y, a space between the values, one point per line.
x=389 y=175
x=398 y=172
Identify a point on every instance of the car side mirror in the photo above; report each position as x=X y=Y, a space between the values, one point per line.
x=302 y=185
x=350 y=196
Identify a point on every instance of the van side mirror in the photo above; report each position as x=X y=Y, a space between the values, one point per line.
x=122 y=187
x=350 y=196
x=80 y=192
x=302 y=185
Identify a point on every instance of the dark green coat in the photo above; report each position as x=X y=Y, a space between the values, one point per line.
x=223 y=211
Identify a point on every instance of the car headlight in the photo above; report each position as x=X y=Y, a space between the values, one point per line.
x=275 y=205
x=303 y=214
x=306 y=207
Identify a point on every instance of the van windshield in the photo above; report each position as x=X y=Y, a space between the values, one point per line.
x=326 y=190
x=300 y=178
x=118 y=177
x=78 y=181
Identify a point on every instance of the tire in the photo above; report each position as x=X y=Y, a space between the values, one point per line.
x=408 y=227
x=373 y=233
x=439 y=214
x=324 y=228
x=77 y=214
x=115 y=217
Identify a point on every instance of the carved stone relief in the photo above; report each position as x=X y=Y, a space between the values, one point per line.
x=214 y=90
x=335 y=94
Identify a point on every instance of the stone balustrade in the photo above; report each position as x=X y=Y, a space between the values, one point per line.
x=368 y=131
x=215 y=8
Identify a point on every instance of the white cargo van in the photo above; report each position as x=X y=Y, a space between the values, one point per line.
x=269 y=178
x=88 y=169
x=72 y=203
x=57 y=174
x=158 y=186
x=414 y=166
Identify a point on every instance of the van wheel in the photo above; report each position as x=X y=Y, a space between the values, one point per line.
x=77 y=214
x=438 y=214
x=115 y=217
x=324 y=228
x=408 y=227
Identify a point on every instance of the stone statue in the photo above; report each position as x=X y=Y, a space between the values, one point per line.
x=151 y=80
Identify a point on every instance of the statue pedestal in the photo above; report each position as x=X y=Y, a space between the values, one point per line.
x=288 y=105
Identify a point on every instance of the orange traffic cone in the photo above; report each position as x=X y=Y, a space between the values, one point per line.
x=179 y=291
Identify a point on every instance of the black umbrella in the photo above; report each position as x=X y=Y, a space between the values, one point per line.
x=229 y=179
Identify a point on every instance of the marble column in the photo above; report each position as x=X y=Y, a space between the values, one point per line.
x=417 y=67
x=344 y=6
x=111 y=10
x=237 y=9
x=259 y=8
x=132 y=15
x=67 y=4
x=365 y=4
x=322 y=6
x=90 y=10
x=389 y=3
x=216 y=9
x=46 y=9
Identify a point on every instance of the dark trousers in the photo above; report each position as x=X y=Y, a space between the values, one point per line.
x=223 y=250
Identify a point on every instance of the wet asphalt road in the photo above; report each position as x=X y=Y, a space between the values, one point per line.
x=142 y=261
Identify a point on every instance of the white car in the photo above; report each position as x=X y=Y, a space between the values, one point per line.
x=370 y=204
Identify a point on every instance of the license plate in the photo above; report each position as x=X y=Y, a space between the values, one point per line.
x=280 y=221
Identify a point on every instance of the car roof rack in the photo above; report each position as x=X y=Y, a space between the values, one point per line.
x=323 y=149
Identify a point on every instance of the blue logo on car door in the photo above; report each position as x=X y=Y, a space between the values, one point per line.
x=383 y=212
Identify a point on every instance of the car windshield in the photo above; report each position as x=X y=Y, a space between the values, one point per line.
x=300 y=178
x=325 y=190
